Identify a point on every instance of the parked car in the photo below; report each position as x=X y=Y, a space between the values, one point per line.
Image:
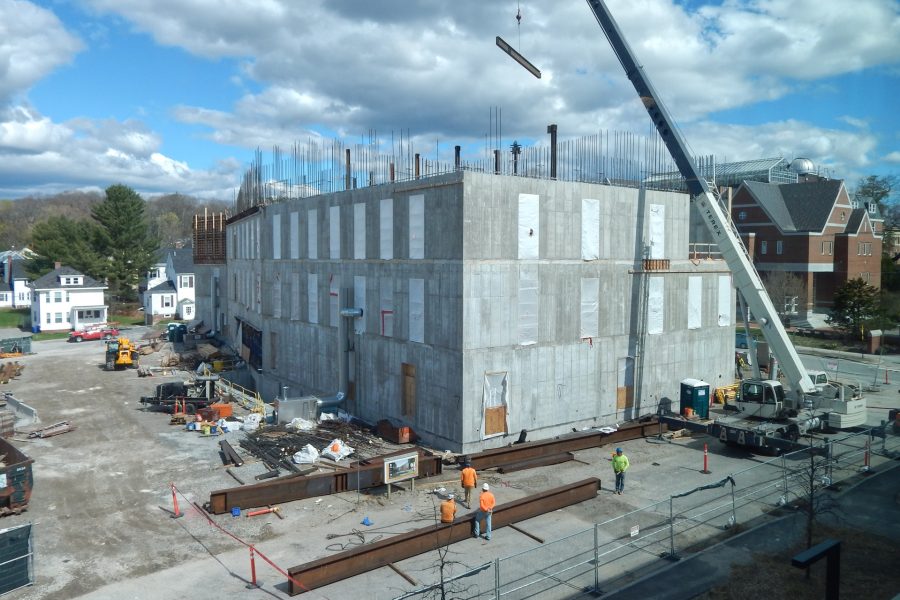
x=94 y=333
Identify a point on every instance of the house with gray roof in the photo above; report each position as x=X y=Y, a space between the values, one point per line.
x=170 y=287
x=65 y=299
x=812 y=230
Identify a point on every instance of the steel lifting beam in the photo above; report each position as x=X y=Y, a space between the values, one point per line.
x=367 y=557
x=570 y=442
x=359 y=476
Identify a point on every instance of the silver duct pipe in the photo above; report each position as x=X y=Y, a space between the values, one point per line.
x=343 y=348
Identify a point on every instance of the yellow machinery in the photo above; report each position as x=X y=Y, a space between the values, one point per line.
x=120 y=354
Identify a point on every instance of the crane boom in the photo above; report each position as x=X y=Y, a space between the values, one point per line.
x=746 y=279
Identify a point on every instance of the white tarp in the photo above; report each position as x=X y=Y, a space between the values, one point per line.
x=359 y=301
x=590 y=307
x=657 y=231
x=495 y=387
x=295 y=235
x=276 y=236
x=726 y=302
x=312 y=233
x=528 y=306
x=386 y=229
x=333 y=300
x=590 y=229
x=387 y=307
x=655 y=305
x=695 y=302
x=529 y=230
x=417 y=226
x=334 y=232
x=359 y=231
x=417 y=310
x=312 y=296
x=295 y=296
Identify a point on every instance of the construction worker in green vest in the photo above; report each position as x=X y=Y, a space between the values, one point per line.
x=620 y=465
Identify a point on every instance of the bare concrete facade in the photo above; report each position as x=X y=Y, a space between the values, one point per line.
x=491 y=304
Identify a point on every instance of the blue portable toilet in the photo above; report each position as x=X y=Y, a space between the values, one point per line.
x=695 y=395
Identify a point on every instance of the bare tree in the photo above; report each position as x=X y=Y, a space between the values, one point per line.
x=788 y=293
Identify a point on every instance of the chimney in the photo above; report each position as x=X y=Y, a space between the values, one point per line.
x=57 y=265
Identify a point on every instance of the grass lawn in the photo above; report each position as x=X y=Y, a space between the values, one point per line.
x=127 y=320
x=13 y=318
x=50 y=335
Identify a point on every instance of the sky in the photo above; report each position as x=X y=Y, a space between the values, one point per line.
x=176 y=95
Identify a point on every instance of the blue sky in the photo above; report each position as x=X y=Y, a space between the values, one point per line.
x=174 y=96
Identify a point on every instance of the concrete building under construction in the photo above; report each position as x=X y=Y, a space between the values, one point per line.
x=470 y=306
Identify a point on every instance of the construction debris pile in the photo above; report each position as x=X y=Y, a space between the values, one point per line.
x=10 y=370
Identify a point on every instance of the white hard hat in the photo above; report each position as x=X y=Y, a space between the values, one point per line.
x=450 y=496
x=485 y=487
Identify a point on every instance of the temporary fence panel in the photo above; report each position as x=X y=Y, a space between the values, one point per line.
x=16 y=560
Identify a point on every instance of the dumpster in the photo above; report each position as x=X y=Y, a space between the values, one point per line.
x=695 y=398
x=15 y=479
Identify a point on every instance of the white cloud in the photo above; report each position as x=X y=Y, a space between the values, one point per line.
x=33 y=43
x=892 y=157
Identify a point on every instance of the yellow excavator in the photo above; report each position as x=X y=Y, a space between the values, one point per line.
x=121 y=353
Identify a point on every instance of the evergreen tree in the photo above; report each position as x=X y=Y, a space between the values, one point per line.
x=68 y=241
x=125 y=241
x=856 y=304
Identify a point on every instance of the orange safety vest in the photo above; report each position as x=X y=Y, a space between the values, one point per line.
x=487 y=502
x=448 y=511
x=468 y=477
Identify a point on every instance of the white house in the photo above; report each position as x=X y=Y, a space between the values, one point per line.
x=170 y=288
x=14 y=290
x=65 y=299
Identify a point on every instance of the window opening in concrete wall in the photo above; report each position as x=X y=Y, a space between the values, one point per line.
x=273 y=351
x=495 y=403
x=528 y=305
x=251 y=345
x=656 y=294
x=417 y=226
x=625 y=383
x=276 y=236
x=590 y=307
x=529 y=226
x=359 y=231
x=312 y=296
x=386 y=229
x=590 y=229
x=417 y=310
x=312 y=233
x=657 y=230
x=359 y=301
x=334 y=232
x=387 y=307
x=726 y=303
x=258 y=296
x=295 y=235
x=695 y=302
x=257 y=238
x=276 y=297
x=295 y=296
x=333 y=300
x=408 y=398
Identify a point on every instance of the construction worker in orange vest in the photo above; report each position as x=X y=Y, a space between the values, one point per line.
x=448 y=509
x=485 y=510
x=469 y=479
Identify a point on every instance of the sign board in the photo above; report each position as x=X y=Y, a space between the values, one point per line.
x=635 y=530
x=832 y=366
x=401 y=468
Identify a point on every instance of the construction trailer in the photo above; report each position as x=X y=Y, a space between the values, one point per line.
x=471 y=306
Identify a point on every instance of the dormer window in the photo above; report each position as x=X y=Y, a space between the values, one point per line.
x=742 y=215
x=843 y=215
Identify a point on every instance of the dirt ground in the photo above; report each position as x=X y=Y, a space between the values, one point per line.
x=868 y=570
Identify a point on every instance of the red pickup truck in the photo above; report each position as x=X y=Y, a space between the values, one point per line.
x=94 y=333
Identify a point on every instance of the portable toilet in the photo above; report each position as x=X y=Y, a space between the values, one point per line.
x=695 y=396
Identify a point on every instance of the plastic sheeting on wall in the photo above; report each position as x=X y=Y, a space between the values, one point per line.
x=386 y=229
x=295 y=235
x=359 y=231
x=359 y=301
x=334 y=232
x=528 y=306
x=695 y=302
x=276 y=236
x=417 y=226
x=657 y=231
x=590 y=229
x=312 y=231
x=295 y=296
x=258 y=238
x=529 y=226
x=726 y=302
x=312 y=296
x=386 y=303
x=590 y=307
x=417 y=310
x=655 y=305
x=334 y=307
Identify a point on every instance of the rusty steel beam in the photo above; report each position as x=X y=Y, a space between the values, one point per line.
x=367 y=557
x=569 y=442
x=364 y=475
x=544 y=461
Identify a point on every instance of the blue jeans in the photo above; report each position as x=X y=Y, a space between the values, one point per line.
x=620 y=481
x=480 y=514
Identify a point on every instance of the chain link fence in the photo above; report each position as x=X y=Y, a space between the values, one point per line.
x=615 y=552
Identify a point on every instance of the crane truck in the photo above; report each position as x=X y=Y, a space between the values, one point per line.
x=768 y=417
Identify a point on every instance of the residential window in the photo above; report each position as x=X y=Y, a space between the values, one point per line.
x=67 y=281
x=48 y=318
x=58 y=318
x=865 y=277
x=57 y=296
x=790 y=305
x=827 y=248
x=187 y=281
x=779 y=247
x=742 y=215
x=48 y=297
x=167 y=301
x=2 y=297
x=763 y=247
x=68 y=297
x=843 y=215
